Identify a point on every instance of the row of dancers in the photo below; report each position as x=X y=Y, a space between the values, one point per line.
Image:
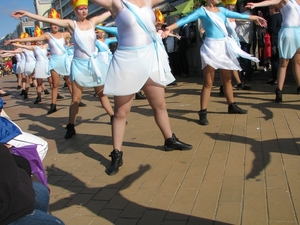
x=140 y=61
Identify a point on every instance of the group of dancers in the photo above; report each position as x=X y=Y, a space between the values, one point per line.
x=140 y=61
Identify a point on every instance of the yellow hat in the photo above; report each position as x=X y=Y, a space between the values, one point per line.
x=76 y=3
x=231 y=2
x=37 y=32
x=160 y=19
x=22 y=35
x=98 y=29
x=53 y=14
x=26 y=35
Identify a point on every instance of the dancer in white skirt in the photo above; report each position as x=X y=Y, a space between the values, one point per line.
x=87 y=70
x=59 y=63
x=26 y=64
x=219 y=51
x=140 y=62
x=288 y=40
x=42 y=63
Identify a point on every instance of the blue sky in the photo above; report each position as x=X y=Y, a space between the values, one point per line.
x=7 y=23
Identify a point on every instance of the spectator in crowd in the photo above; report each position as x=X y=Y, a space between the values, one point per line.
x=12 y=135
x=23 y=202
x=245 y=33
x=183 y=41
x=274 y=26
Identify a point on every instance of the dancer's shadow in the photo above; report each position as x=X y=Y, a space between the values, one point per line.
x=262 y=149
x=130 y=210
x=54 y=130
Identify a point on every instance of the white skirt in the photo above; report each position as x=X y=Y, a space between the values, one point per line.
x=214 y=53
x=60 y=63
x=82 y=73
x=20 y=67
x=130 y=69
x=29 y=68
x=42 y=69
x=289 y=41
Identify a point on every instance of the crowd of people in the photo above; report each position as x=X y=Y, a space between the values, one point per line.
x=147 y=57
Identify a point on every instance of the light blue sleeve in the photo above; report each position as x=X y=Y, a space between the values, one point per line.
x=111 y=30
x=190 y=18
x=235 y=15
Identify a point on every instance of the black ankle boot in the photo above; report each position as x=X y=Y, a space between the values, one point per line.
x=59 y=96
x=203 y=117
x=37 y=100
x=278 y=93
x=116 y=162
x=70 y=131
x=139 y=95
x=22 y=92
x=174 y=144
x=52 y=108
x=234 y=109
x=25 y=96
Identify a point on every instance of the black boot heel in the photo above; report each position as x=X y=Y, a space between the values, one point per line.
x=278 y=93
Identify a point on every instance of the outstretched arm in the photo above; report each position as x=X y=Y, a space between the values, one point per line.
x=99 y=19
x=58 y=22
x=40 y=38
x=257 y=19
x=252 y=5
x=7 y=55
x=29 y=47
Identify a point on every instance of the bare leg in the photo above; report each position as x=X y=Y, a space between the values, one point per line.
x=39 y=87
x=156 y=97
x=281 y=74
x=50 y=82
x=104 y=100
x=68 y=82
x=209 y=75
x=296 y=67
x=227 y=85
x=236 y=76
x=20 y=80
x=122 y=109
x=74 y=106
x=55 y=82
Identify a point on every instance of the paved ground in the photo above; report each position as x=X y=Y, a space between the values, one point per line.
x=243 y=169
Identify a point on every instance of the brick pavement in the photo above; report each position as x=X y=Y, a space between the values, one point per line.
x=243 y=169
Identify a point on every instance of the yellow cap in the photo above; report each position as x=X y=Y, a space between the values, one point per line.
x=37 y=32
x=76 y=3
x=160 y=19
x=231 y=2
x=22 y=35
x=53 y=14
x=97 y=29
x=26 y=35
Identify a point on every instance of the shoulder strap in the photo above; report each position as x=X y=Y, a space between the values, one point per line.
x=57 y=43
x=41 y=52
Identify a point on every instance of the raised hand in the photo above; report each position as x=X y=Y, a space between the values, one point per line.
x=18 y=14
x=261 y=21
x=7 y=42
x=250 y=5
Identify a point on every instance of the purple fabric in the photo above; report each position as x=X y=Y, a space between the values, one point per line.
x=30 y=153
